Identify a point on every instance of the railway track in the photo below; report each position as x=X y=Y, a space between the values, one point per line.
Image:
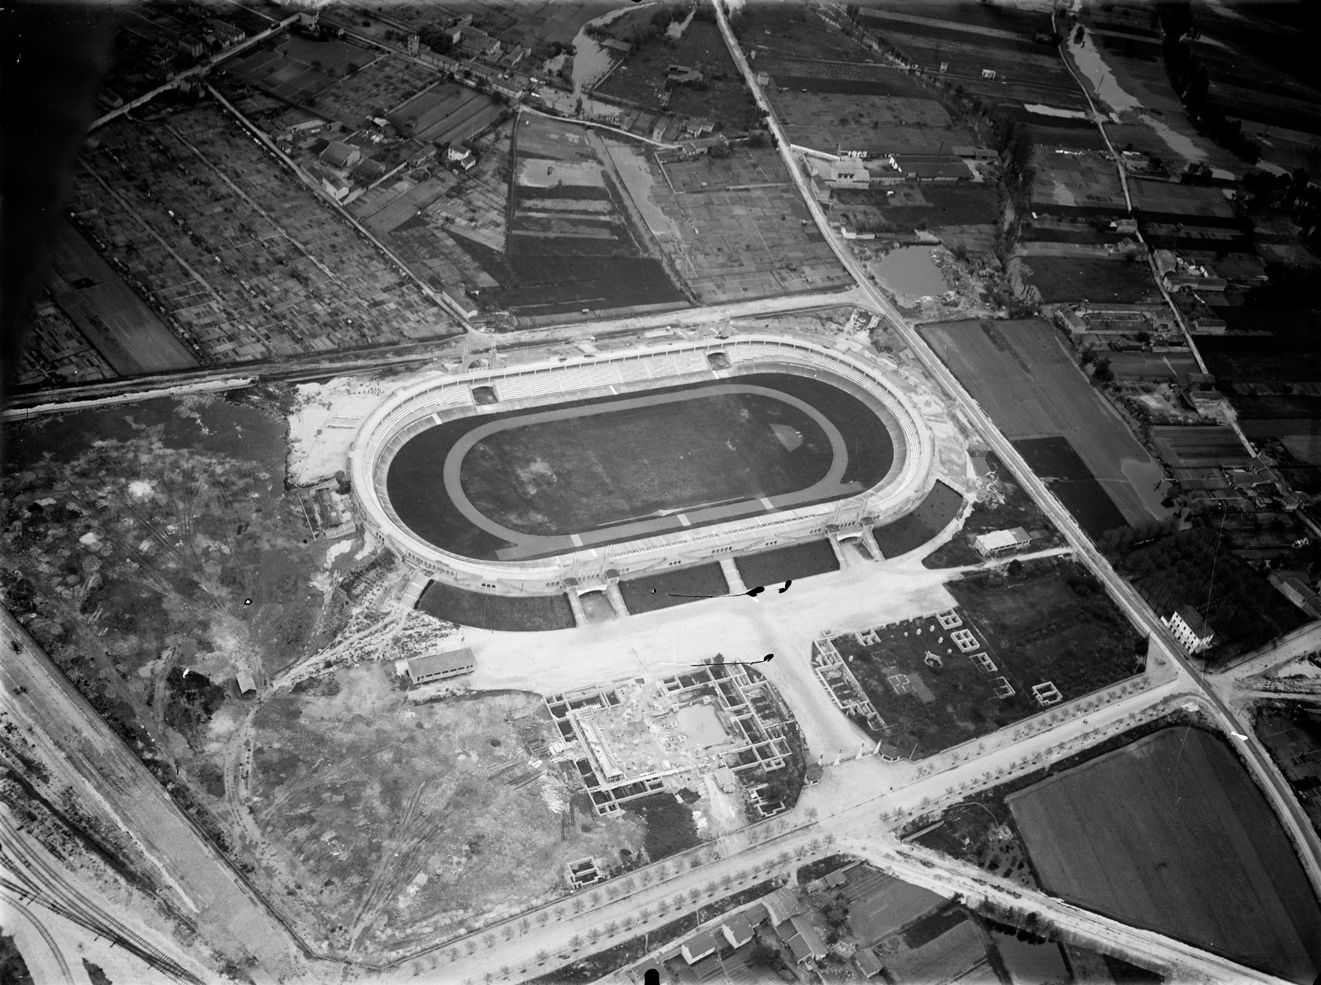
x=15 y=898
x=45 y=885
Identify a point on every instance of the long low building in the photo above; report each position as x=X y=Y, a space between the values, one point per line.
x=440 y=666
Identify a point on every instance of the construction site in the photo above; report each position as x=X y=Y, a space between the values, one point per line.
x=719 y=729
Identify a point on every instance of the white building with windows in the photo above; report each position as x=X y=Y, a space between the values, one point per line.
x=1193 y=632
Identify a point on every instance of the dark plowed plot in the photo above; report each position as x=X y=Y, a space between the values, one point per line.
x=700 y=452
x=573 y=474
x=546 y=283
x=786 y=563
x=933 y=514
x=1171 y=833
x=669 y=588
x=505 y=612
x=1069 y=478
x=1072 y=278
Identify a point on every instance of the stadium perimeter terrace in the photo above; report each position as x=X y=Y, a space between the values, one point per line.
x=651 y=544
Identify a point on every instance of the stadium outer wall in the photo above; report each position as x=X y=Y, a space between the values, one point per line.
x=447 y=397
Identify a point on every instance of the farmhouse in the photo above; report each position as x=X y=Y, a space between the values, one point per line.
x=1293 y=586
x=341 y=155
x=803 y=940
x=699 y=947
x=440 y=666
x=1192 y=632
x=737 y=930
x=999 y=542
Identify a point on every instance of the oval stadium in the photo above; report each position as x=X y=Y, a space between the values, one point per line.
x=560 y=473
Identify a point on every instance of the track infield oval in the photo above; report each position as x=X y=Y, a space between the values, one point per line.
x=548 y=480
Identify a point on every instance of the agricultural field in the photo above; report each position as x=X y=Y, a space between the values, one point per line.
x=1125 y=280
x=832 y=122
x=1291 y=731
x=122 y=329
x=239 y=262
x=719 y=96
x=1075 y=184
x=941 y=209
x=734 y=228
x=445 y=114
x=1025 y=379
x=1049 y=622
x=440 y=222
x=1171 y=833
x=401 y=819
x=572 y=242
x=967 y=42
x=337 y=80
x=1067 y=475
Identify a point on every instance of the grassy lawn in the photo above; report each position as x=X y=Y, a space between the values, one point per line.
x=574 y=474
x=1049 y=622
x=933 y=514
x=786 y=563
x=660 y=591
x=1073 y=278
x=505 y=612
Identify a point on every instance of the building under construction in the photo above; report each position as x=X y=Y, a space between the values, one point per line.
x=635 y=737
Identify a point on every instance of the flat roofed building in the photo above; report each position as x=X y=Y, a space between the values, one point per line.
x=1001 y=541
x=1192 y=632
x=440 y=666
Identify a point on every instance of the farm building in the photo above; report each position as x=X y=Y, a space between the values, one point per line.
x=440 y=666
x=245 y=682
x=1293 y=586
x=1192 y=632
x=802 y=939
x=999 y=542
x=341 y=155
x=737 y=930
x=699 y=947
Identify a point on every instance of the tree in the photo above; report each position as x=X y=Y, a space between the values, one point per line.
x=594 y=935
x=576 y=941
x=543 y=957
x=509 y=932
x=1102 y=373
x=1015 y=568
x=543 y=918
x=489 y=940
x=524 y=925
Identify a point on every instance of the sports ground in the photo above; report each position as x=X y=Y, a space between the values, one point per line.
x=1170 y=833
x=536 y=482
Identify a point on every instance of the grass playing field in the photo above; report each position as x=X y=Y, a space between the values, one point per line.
x=1171 y=833
x=652 y=461
x=593 y=470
